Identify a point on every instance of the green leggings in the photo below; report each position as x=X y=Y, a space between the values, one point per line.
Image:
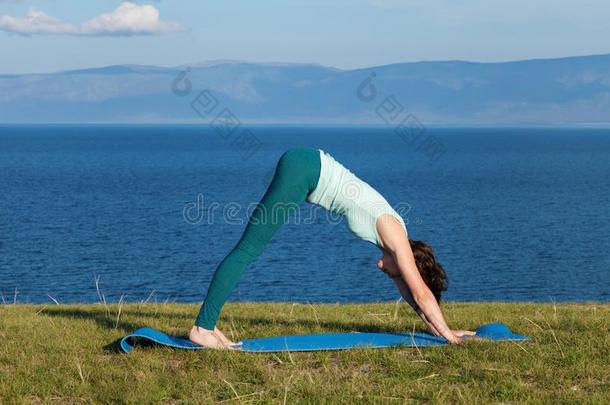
x=296 y=175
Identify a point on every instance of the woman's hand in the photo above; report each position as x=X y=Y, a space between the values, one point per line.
x=461 y=333
x=453 y=338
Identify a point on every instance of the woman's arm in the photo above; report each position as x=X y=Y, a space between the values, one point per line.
x=406 y=295
x=395 y=240
x=387 y=265
x=423 y=297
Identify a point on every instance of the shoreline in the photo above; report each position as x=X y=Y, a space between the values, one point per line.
x=444 y=302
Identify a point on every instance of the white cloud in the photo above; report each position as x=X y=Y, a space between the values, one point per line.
x=35 y=22
x=127 y=19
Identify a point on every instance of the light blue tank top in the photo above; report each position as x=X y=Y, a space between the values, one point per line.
x=340 y=191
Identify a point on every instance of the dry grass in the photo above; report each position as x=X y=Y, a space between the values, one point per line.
x=68 y=353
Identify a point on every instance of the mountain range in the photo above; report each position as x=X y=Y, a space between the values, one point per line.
x=573 y=90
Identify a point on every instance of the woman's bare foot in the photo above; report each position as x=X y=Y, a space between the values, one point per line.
x=212 y=339
x=223 y=338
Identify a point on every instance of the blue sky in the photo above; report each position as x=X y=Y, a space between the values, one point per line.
x=51 y=35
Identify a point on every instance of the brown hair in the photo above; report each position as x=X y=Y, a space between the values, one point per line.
x=432 y=272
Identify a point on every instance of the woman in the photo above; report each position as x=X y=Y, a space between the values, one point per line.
x=305 y=174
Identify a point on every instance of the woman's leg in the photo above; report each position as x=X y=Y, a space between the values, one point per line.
x=296 y=175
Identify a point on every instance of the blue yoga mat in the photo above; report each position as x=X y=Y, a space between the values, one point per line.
x=320 y=341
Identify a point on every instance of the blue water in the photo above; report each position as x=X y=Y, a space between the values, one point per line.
x=513 y=214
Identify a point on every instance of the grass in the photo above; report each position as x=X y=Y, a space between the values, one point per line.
x=68 y=354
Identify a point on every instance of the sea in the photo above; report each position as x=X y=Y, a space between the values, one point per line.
x=147 y=212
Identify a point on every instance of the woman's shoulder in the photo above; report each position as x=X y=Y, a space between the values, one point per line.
x=391 y=231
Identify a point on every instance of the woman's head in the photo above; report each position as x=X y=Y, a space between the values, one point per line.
x=432 y=272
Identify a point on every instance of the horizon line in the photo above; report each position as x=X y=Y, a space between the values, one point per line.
x=221 y=62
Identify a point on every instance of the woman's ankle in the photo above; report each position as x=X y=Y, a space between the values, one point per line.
x=201 y=330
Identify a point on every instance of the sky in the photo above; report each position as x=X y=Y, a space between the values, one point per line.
x=53 y=35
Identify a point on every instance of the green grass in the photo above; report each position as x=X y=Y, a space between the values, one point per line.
x=68 y=353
